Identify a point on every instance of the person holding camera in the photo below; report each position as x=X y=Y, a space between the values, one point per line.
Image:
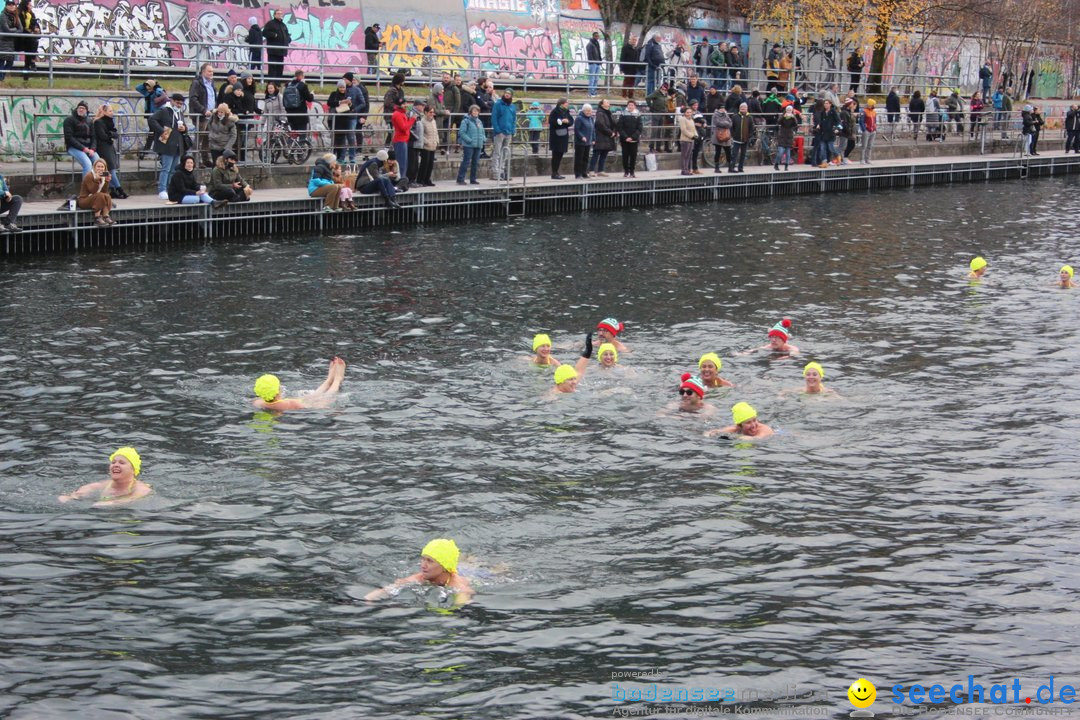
x=94 y=194
x=225 y=180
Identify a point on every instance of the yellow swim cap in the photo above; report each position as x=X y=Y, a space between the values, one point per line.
x=540 y=340
x=1067 y=269
x=564 y=373
x=607 y=347
x=267 y=387
x=741 y=412
x=129 y=454
x=978 y=263
x=814 y=366
x=443 y=551
x=711 y=357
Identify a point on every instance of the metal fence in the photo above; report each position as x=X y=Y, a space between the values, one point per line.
x=132 y=59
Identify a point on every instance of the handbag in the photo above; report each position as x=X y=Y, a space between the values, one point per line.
x=561 y=132
x=650 y=162
x=723 y=135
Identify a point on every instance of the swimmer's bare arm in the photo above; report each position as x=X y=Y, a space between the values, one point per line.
x=388 y=590
x=141 y=491
x=729 y=430
x=85 y=490
x=619 y=346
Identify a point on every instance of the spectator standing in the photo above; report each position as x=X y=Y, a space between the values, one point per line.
x=584 y=135
x=628 y=63
x=658 y=105
x=847 y=128
x=1027 y=129
x=892 y=111
x=721 y=137
x=371 y=47
x=79 y=136
x=736 y=64
x=503 y=127
x=10 y=204
x=605 y=134
x=394 y=94
x=955 y=107
x=915 y=109
x=357 y=118
x=9 y=26
x=1037 y=123
x=202 y=98
x=868 y=122
x=277 y=38
x=559 y=135
x=339 y=109
x=452 y=102
x=654 y=61
x=226 y=91
x=595 y=58
x=977 y=107
x=437 y=101
x=402 y=124
x=742 y=133
x=153 y=98
x=772 y=68
x=416 y=140
x=855 y=64
x=170 y=140
x=786 y=127
x=1072 y=129
x=687 y=135
x=827 y=127
x=105 y=138
x=468 y=98
x=986 y=76
x=701 y=57
x=430 y=145
x=695 y=91
x=245 y=108
x=1006 y=111
x=471 y=139
x=221 y=131
x=701 y=131
x=28 y=41
x=295 y=97
x=485 y=98
x=254 y=42
x=535 y=119
x=273 y=111
x=629 y=127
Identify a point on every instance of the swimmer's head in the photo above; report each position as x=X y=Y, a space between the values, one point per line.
x=1066 y=273
x=566 y=374
x=691 y=390
x=742 y=413
x=977 y=264
x=781 y=330
x=608 y=328
x=541 y=340
x=814 y=374
x=443 y=551
x=267 y=387
x=709 y=365
x=607 y=355
x=129 y=454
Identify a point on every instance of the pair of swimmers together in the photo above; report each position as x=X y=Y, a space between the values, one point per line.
x=744 y=418
x=978 y=270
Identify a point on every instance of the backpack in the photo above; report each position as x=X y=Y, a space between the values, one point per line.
x=290 y=98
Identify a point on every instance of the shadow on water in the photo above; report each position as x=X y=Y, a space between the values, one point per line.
x=916 y=528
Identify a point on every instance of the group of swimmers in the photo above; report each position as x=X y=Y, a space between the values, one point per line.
x=439 y=558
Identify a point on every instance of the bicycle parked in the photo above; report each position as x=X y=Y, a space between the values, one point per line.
x=284 y=143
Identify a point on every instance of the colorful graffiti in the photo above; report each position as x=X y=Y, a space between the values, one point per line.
x=514 y=50
x=89 y=20
x=30 y=119
x=404 y=47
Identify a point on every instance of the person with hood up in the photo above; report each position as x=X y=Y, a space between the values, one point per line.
x=254 y=42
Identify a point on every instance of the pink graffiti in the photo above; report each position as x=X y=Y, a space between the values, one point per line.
x=514 y=50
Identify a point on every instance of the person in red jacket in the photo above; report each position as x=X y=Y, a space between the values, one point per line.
x=402 y=124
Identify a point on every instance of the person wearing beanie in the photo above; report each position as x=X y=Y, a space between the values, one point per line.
x=268 y=391
x=692 y=395
x=541 y=346
x=439 y=567
x=607 y=329
x=123 y=485
x=978 y=268
x=1065 y=277
x=566 y=377
x=254 y=42
x=744 y=423
x=709 y=366
x=779 y=334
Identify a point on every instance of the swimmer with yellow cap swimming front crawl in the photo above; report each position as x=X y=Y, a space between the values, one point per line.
x=123 y=485
x=566 y=377
x=438 y=566
x=268 y=391
x=745 y=424
x=1065 y=277
x=542 y=352
x=709 y=366
x=978 y=268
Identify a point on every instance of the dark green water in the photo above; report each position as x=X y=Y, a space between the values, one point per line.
x=920 y=528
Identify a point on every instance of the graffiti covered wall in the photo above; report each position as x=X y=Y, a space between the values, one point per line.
x=515 y=36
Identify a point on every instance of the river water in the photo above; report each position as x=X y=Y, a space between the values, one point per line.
x=918 y=528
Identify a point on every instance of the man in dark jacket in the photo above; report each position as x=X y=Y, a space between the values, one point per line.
x=278 y=40
x=169 y=130
x=986 y=75
x=742 y=133
x=1072 y=129
x=892 y=110
x=592 y=54
x=654 y=61
x=714 y=100
x=628 y=63
x=358 y=97
x=79 y=136
x=855 y=67
x=371 y=46
x=254 y=42
x=734 y=99
x=298 y=114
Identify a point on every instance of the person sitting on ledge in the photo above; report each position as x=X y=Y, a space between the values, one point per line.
x=325 y=183
x=185 y=189
x=376 y=176
x=94 y=193
x=225 y=180
x=10 y=204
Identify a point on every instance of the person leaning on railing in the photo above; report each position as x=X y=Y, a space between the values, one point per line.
x=222 y=131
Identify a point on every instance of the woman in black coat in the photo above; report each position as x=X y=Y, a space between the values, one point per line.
x=105 y=138
x=605 y=138
x=915 y=109
x=559 y=123
x=629 y=128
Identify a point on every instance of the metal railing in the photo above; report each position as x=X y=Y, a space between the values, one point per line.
x=139 y=58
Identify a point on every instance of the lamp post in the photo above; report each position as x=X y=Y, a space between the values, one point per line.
x=797 y=11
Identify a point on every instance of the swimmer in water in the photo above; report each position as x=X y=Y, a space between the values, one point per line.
x=978 y=268
x=779 y=335
x=122 y=486
x=542 y=352
x=745 y=424
x=1065 y=277
x=814 y=374
x=607 y=356
x=438 y=566
x=692 y=395
x=709 y=366
x=607 y=329
x=268 y=390
x=566 y=377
